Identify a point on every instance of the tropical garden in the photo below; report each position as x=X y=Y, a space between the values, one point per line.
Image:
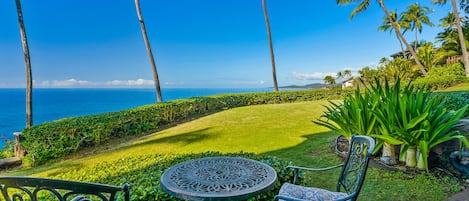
x=406 y=104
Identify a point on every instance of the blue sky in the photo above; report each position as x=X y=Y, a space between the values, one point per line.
x=196 y=43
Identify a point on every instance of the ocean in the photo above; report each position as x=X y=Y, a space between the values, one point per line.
x=54 y=104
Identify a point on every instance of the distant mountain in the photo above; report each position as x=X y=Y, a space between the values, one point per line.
x=308 y=86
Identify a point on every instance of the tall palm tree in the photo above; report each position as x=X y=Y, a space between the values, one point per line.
x=340 y=75
x=460 y=33
x=269 y=35
x=329 y=80
x=416 y=16
x=388 y=26
x=150 y=53
x=364 y=4
x=27 y=61
x=347 y=73
x=449 y=39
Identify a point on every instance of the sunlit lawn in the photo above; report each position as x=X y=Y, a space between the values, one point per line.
x=459 y=87
x=284 y=130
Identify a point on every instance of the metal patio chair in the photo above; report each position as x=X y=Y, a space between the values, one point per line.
x=350 y=180
x=29 y=188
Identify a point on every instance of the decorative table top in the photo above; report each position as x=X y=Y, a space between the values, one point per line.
x=218 y=178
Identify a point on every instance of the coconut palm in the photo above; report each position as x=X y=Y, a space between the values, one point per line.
x=340 y=75
x=150 y=53
x=329 y=80
x=388 y=26
x=364 y=4
x=29 y=79
x=460 y=32
x=269 y=35
x=347 y=73
x=416 y=17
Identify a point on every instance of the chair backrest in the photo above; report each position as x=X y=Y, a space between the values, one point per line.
x=355 y=165
x=30 y=188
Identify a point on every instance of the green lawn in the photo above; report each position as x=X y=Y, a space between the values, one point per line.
x=283 y=130
x=459 y=87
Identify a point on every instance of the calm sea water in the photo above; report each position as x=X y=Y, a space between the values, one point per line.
x=53 y=104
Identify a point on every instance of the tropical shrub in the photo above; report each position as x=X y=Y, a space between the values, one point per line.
x=441 y=77
x=456 y=100
x=143 y=173
x=57 y=139
x=396 y=115
x=352 y=116
x=416 y=118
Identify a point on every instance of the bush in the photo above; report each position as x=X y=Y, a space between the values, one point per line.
x=455 y=100
x=143 y=173
x=57 y=139
x=442 y=77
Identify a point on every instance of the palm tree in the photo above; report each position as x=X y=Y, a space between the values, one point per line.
x=449 y=39
x=364 y=4
x=460 y=33
x=347 y=73
x=150 y=54
x=329 y=80
x=29 y=79
x=388 y=26
x=340 y=75
x=269 y=35
x=416 y=16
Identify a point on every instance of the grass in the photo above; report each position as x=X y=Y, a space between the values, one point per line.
x=283 y=130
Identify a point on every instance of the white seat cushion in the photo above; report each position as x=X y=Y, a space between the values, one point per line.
x=309 y=193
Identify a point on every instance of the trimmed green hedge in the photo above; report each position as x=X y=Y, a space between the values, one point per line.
x=57 y=139
x=143 y=173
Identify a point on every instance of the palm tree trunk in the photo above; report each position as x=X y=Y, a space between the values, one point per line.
x=416 y=39
x=269 y=35
x=461 y=37
x=399 y=34
x=29 y=79
x=404 y=55
x=150 y=54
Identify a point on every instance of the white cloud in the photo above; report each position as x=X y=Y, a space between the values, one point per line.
x=310 y=76
x=123 y=83
x=63 y=83
x=84 y=83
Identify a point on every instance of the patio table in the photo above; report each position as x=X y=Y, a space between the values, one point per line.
x=218 y=178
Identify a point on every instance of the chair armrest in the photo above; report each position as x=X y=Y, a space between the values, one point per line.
x=296 y=170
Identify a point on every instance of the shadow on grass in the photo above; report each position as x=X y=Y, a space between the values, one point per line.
x=180 y=139
x=316 y=149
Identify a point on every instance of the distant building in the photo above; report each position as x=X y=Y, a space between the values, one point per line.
x=399 y=55
x=347 y=83
x=453 y=59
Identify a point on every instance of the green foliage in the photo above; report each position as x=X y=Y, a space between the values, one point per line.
x=415 y=118
x=8 y=149
x=441 y=77
x=353 y=116
x=397 y=115
x=456 y=100
x=57 y=139
x=143 y=173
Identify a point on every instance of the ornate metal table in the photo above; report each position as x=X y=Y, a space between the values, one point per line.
x=218 y=178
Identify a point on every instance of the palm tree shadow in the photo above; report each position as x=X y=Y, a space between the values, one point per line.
x=182 y=138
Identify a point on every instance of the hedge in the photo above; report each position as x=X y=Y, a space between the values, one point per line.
x=55 y=140
x=143 y=173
